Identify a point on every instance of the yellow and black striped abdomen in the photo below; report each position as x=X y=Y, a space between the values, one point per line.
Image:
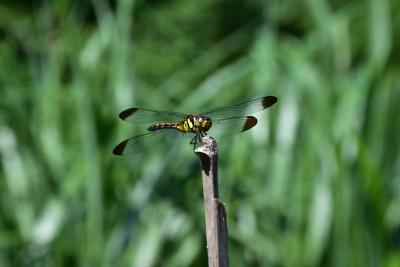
x=163 y=125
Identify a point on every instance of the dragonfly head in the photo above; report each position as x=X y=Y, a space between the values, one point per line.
x=204 y=122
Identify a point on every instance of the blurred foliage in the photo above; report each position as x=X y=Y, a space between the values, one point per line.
x=316 y=183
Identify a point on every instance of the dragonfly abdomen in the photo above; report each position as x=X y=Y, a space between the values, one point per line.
x=162 y=125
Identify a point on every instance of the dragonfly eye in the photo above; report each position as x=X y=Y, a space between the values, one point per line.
x=206 y=123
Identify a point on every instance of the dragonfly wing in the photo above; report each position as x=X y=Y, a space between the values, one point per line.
x=142 y=142
x=141 y=115
x=226 y=127
x=242 y=109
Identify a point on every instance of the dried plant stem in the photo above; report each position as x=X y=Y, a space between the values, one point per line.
x=215 y=215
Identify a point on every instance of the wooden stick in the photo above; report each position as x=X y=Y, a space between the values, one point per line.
x=215 y=215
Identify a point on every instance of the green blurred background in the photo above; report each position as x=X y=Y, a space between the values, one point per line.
x=316 y=183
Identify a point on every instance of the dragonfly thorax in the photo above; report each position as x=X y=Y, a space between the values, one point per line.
x=195 y=124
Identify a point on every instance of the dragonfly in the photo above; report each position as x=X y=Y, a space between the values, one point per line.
x=164 y=125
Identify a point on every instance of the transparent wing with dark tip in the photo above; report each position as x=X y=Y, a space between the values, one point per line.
x=242 y=109
x=231 y=126
x=141 y=115
x=140 y=143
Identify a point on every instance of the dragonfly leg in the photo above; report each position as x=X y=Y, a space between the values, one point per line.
x=194 y=141
x=200 y=136
x=197 y=139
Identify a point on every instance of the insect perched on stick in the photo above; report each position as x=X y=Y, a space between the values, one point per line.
x=217 y=123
